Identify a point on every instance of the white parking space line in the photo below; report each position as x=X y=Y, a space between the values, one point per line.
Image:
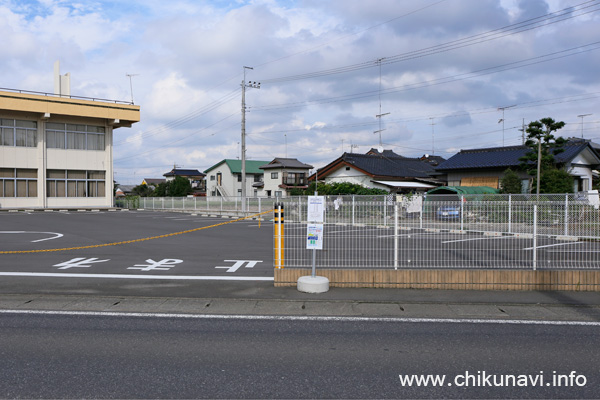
x=483 y=238
x=553 y=245
x=56 y=235
x=129 y=276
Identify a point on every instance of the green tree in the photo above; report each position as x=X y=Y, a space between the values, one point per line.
x=541 y=140
x=178 y=187
x=142 y=190
x=340 y=188
x=510 y=183
x=554 y=180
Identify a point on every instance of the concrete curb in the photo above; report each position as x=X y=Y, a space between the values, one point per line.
x=281 y=307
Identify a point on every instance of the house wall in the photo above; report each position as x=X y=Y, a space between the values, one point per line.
x=272 y=184
x=351 y=175
x=229 y=182
x=458 y=178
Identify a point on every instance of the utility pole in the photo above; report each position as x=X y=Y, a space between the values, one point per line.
x=502 y=120
x=131 y=84
x=523 y=133
x=581 y=116
x=244 y=86
x=379 y=60
x=432 y=136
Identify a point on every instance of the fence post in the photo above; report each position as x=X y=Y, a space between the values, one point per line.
x=353 y=210
x=221 y=204
x=535 y=237
x=462 y=211
x=395 y=235
x=278 y=226
x=566 y=215
x=421 y=214
x=510 y=213
x=384 y=210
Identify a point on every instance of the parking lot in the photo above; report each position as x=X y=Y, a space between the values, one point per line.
x=146 y=252
x=231 y=252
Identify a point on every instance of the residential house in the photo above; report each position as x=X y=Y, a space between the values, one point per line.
x=195 y=177
x=153 y=182
x=225 y=178
x=281 y=176
x=383 y=170
x=486 y=167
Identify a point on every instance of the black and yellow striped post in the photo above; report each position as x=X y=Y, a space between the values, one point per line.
x=278 y=235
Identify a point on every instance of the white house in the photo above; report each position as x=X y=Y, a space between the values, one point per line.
x=386 y=170
x=283 y=175
x=225 y=178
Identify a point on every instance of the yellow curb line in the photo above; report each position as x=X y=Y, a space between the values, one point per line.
x=131 y=241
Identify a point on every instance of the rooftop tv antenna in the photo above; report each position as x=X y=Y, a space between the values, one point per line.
x=131 y=84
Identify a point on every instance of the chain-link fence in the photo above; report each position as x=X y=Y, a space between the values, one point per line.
x=443 y=231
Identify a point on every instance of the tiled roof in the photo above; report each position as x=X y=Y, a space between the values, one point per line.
x=286 y=163
x=504 y=157
x=398 y=167
x=184 y=172
x=385 y=153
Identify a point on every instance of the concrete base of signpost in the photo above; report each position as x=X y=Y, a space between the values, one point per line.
x=313 y=284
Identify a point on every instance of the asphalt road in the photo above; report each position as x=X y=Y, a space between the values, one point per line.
x=93 y=356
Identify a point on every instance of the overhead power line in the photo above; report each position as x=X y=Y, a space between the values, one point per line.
x=447 y=79
x=527 y=25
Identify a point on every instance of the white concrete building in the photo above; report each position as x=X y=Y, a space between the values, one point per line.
x=57 y=151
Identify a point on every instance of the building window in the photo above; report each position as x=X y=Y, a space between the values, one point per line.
x=212 y=177
x=17 y=182
x=75 y=183
x=75 y=136
x=239 y=192
x=239 y=177
x=274 y=175
x=14 y=132
x=278 y=193
x=257 y=178
x=294 y=178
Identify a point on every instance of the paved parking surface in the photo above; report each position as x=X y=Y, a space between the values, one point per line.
x=235 y=251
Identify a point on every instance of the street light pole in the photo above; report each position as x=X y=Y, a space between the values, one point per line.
x=244 y=86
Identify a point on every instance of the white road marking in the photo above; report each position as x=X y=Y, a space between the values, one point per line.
x=127 y=276
x=307 y=318
x=483 y=238
x=56 y=235
x=552 y=245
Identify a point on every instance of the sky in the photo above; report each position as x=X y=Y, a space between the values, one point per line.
x=417 y=77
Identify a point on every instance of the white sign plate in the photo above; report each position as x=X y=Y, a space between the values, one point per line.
x=316 y=209
x=314 y=236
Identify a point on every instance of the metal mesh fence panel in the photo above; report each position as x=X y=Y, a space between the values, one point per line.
x=477 y=231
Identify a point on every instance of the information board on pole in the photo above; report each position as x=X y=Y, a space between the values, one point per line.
x=316 y=209
x=314 y=236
